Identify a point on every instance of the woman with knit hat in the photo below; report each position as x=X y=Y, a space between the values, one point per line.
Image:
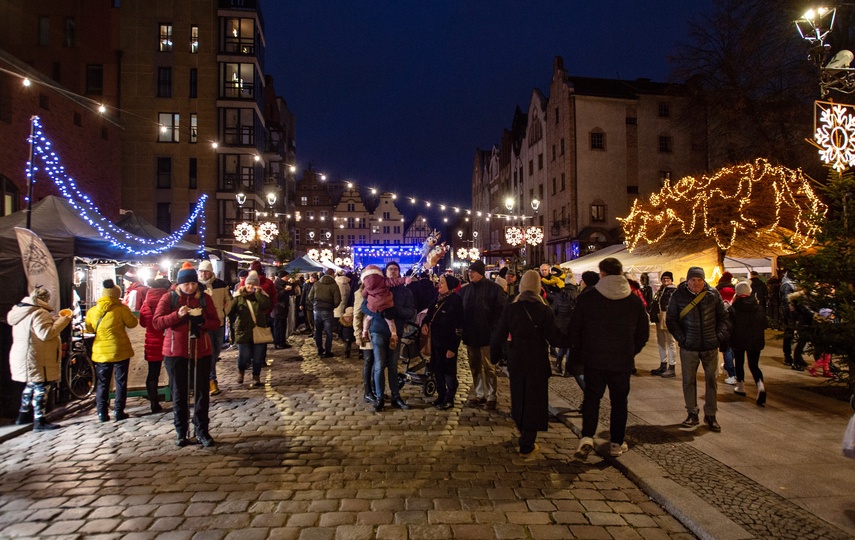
x=251 y=305
x=186 y=316
x=748 y=337
x=109 y=320
x=528 y=324
x=444 y=322
x=153 y=348
x=35 y=357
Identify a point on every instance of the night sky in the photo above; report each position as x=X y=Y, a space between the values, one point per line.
x=397 y=94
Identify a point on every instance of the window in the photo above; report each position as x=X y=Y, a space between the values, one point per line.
x=396 y=229
x=531 y=167
x=237 y=80
x=166 y=37
x=631 y=121
x=632 y=190
x=598 y=212
x=351 y=239
x=44 y=31
x=296 y=236
x=193 y=229
x=310 y=215
x=304 y=201
x=553 y=152
x=540 y=192
x=315 y=200
x=164 y=218
x=540 y=162
x=351 y=207
x=239 y=127
x=386 y=229
x=665 y=145
x=70 y=32
x=563 y=182
x=387 y=215
x=664 y=176
x=324 y=214
x=194 y=127
x=56 y=72
x=664 y=109
x=8 y=196
x=193 y=175
x=362 y=238
x=239 y=36
x=164 y=173
x=194 y=82
x=194 y=39
x=168 y=127
x=556 y=116
x=351 y=223
x=95 y=79
x=598 y=140
x=562 y=146
x=164 y=82
x=238 y=172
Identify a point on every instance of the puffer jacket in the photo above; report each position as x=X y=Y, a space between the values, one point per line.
x=153 y=349
x=243 y=320
x=325 y=294
x=112 y=343
x=748 y=319
x=36 y=354
x=705 y=327
x=563 y=304
x=483 y=303
x=176 y=338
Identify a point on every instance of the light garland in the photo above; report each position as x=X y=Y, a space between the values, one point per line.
x=117 y=236
x=733 y=200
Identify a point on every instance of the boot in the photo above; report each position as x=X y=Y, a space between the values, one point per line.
x=240 y=377
x=347 y=350
x=256 y=381
x=669 y=373
x=43 y=425
x=24 y=418
x=215 y=388
x=663 y=366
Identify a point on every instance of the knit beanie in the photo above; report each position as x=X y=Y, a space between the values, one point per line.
x=478 y=266
x=256 y=265
x=726 y=277
x=243 y=273
x=252 y=279
x=743 y=288
x=187 y=274
x=206 y=266
x=530 y=282
x=696 y=271
x=110 y=290
x=131 y=276
x=451 y=282
x=668 y=275
x=590 y=278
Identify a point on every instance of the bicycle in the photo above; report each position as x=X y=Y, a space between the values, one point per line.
x=78 y=370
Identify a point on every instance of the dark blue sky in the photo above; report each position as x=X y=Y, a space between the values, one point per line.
x=397 y=94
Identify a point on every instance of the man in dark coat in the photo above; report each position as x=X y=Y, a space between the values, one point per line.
x=483 y=301
x=758 y=289
x=699 y=322
x=608 y=328
x=424 y=291
x=324 y=297
x=284 y=293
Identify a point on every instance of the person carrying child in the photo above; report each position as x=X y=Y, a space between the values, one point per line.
x=377 y=291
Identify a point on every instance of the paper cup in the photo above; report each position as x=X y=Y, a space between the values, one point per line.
x=65 y=312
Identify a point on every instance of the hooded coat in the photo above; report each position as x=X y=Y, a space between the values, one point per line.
x=483 y=302
x=343 y=283
x=36 y=354
x=112 y=343
x=176 y=329
x=243 y=321
x=153 y=348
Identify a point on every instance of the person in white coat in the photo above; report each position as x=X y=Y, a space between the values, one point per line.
x=36 y=354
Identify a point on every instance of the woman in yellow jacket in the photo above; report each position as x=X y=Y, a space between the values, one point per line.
x=108 y=320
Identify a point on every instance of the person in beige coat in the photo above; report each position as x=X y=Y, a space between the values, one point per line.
x=36 y=354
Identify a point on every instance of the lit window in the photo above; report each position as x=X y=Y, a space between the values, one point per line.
x=194 y=39
x=598 y=212
x=165 y=38
x=168 y=131
x=194 y=127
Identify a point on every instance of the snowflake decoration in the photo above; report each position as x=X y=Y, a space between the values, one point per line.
x=514 y=235
x=338 y=261
x=267 y=231
x=836 y=137
x=473 y=253
x=326 y=255
x=347 y=262
x=313 y=254
x=462 y=253
x=534 y=235
x=244 y=233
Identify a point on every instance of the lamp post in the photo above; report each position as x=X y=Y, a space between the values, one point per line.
x=814 y=27
x=255 y=230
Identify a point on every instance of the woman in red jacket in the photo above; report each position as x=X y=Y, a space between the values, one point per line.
x=153 y=351
x=186 y=319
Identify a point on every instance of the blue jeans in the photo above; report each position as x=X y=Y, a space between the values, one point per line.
x=217 y=337
x=385 y=358
x=323 y=324
x=254 y=354
x=103 y=373
x=728 y=362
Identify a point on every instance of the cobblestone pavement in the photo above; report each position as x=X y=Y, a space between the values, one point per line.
x=756 y=508
x=304 y=457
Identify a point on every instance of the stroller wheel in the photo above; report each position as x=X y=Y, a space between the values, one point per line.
x=402 y=380
x=430 y=387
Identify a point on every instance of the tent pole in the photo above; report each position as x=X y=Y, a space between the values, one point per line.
x=30 y=180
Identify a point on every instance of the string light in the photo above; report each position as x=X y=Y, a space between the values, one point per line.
x=760 y=201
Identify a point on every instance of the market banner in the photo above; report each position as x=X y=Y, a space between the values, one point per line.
x=38 y=265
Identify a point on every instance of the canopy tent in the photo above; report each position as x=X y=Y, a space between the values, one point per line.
x=653 y=263
x=303 y=265
x=330 y=264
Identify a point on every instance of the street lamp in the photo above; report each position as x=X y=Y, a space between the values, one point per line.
x=509 y=204
x=535 y=204
x=814 y=27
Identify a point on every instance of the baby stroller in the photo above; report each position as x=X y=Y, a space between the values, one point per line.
x=416 y=367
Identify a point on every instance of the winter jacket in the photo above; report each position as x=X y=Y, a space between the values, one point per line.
x=748 y=319
x=36 y=354
x=483 y=302
x=727 y=291
x=609 y=326
x=266 y=285
x=705 y=327
x=359 y=320
x=405 y=312
x=243 y=322
x=376 y=289
x=424 y=293
x=112 y=343
x=325 y=294
x=660 y=302
x=153 y=349
x=343 y=283
x=176 y=338
x=220 y=296
x=135 y=296
x=284 y=293
x=758 y=290
x=563 y=304
x=445 y=319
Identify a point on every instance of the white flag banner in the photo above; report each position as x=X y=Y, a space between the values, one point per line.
x=38 y=265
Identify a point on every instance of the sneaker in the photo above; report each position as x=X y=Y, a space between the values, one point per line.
x=215 y=388
x=534 y=450
x=730 y=380
x=205 y=439
x=739 y=389
x=616 y=450
x=586 y=446
x=669 y=373
x=691 y=421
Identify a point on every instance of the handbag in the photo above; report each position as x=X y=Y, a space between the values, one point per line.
x=662 y=316
x=260 y=334
x=849 y=439
x=425 y=348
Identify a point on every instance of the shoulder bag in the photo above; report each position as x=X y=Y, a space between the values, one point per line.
x=260 y=334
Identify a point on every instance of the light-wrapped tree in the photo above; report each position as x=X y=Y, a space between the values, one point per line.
x=753 y=207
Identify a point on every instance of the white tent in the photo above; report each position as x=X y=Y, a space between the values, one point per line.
x=654 y=264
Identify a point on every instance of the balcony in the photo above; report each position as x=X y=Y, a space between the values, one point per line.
x=238 y=182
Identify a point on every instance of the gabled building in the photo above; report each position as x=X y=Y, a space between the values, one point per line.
x=387 y=222
x=351 y=219
x=314 y=213
x=418 y=230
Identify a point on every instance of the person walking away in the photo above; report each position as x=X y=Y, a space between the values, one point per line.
x=608 y=328
x=324 y=297
x=443 y=326
x=726 y=289
x=658 y=308
x=186 y=317
x=306 y=305
x=251 y=303
x=367 y=348
x=803 y=318
x=528 y=324
x=562 y=307
x=773 y=300
x=343 y=283
x=284 y=293
x=788 y=318
x=758 y=290
x=135 y=291
x=109 y=320
x=483 y=303
x=699 y=322
x=35 y=358
x=748 y=320
x=220 y=296
x=153 y=347
x=424 y=291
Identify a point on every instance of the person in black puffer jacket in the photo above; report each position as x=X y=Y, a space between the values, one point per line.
x=562 y=306
x=748 y=318
x=699 y=331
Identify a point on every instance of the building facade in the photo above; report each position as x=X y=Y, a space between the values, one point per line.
x=386 y=223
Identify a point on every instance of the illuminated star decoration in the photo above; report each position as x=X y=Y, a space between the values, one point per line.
x=244 y=233
x=514 y=235
x=755 y=202
x=836 y=137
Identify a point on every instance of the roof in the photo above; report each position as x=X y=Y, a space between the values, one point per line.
x=620 y=89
